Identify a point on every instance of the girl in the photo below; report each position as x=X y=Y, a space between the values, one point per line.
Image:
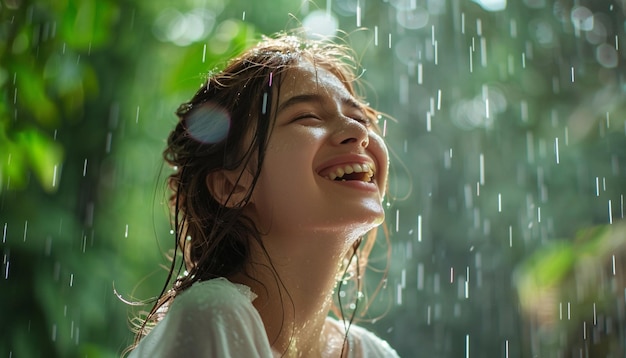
x=280 y=173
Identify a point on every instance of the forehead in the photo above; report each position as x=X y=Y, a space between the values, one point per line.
x=307 y=78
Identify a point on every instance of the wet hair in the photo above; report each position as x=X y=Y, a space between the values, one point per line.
x=238 y=103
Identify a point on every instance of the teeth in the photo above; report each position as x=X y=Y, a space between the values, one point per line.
x=366 y=169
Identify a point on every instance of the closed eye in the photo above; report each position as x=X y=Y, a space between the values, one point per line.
x=361 y=118
x=306 y=116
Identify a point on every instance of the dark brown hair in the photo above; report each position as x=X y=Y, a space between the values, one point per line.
x=214 y=236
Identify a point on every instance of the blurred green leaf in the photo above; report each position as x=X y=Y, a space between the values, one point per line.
x=548 y=266
x=87 y=24
x=31 y=94
x=44 y=155
x=197 y=59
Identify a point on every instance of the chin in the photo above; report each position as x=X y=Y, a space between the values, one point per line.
x=365 y=224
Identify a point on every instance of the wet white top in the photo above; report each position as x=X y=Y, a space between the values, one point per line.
x=216 y=318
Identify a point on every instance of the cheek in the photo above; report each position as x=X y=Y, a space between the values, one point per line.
x=286 y=170
x=378 y=148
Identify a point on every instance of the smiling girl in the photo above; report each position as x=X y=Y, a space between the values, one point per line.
x=280 y=174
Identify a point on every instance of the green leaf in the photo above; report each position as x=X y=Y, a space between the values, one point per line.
x=87 y=24
x=31 y=94
x=44 y=156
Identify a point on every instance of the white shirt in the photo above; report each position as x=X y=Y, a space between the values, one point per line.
x=216 y=318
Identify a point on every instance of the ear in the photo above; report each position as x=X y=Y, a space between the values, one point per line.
x=225 y=187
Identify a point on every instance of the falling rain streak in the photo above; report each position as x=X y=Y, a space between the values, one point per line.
x=556 y=149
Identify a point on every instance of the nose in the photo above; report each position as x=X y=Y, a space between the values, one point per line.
x=350 y=131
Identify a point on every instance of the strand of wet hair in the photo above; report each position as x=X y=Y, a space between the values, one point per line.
x=356 y=304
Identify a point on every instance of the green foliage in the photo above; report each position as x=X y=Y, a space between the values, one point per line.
x=44 y=83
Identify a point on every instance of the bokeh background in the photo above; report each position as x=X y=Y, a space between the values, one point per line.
x=508 y=132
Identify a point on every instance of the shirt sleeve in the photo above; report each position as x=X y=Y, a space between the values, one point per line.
x=207 y=320
x=370 y=345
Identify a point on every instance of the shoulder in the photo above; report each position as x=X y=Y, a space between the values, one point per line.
x=364 y=343
x=213 y=296
x=213 y=318
x=371 y=345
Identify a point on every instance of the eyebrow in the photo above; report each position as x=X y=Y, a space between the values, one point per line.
x=314 y=97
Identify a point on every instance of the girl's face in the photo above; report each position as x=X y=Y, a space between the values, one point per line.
x=325 y=168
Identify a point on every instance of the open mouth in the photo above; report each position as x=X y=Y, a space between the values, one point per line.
x=356 y=171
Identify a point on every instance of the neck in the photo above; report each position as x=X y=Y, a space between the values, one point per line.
x=294 y=279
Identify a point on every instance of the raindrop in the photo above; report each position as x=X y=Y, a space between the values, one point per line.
x=483 y=52
x=569 y=311
x=419 y=228
x=54 y=176
x=420 y=276
x=375 y=35
x=513 y=28
x=539 y=214
x=482 y=168
x=397 y=220
x=613 y=264
x=420 y=71
x=463 y=23
x=556 y=149
x=6 y=266
x=439 y=101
